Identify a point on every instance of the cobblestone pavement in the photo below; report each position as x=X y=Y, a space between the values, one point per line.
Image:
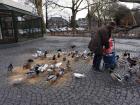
x=94 y=89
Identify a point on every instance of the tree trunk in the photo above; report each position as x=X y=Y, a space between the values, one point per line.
x=89 y=22
x=89 y=19
x=73 y=20
x=38 y=4
x=99 y=18
x=46 y=14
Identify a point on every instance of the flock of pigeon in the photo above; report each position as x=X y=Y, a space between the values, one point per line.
x=56 y=69
x=125 y=63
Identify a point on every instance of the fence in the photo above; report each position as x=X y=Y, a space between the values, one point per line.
x=70 y=33
x=133 y=34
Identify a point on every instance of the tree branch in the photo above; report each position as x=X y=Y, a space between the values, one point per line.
x=59 y=5
x=93 y=5
x=76 y=2
x=79 y=4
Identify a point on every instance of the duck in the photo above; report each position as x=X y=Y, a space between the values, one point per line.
x=131 y=61
x=54 y=57
x=45 y=53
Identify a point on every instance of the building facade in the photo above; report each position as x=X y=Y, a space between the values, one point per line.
x=17 y=22
x=82 y=22
x=57 y=22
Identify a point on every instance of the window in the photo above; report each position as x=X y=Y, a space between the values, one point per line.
x=7 y=27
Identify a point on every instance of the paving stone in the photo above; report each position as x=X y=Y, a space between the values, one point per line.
x=94 y=89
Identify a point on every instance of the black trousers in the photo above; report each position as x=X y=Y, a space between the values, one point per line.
x=97 y=60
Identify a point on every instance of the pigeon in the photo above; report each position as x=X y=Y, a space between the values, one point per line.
x=61 y=71
x=69 y=54
x=52 y=78
x=73 y=55
x=43 y=67
x=54 y=57
x=35 y=55
x=10 y=68
x=116 y=76
x=31 y=74
x=78 y=75
x=68 y=66
x=64 y=59
x=49 y=70
x=30 y=60
x=125 y=54
x=58 y=55
x=73 y=46
x=59 y=50
x=68 y=63
x=85 y=52
x=89 y=54
x=127 y=77
x=52 y=66
x=27 y=66
x=117 y=57
x=39 y=53
x=76 y=52
x=58 y=65
x=36 y=69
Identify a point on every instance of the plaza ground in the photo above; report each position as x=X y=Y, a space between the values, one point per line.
x=94 y=89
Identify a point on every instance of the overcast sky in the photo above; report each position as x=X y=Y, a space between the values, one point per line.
x=66 y=13
x=129 y=5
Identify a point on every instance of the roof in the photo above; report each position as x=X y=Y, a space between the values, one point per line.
x=132 y=1
x=57 y=18
x=17 y=5
x=17 y=10
x=6 y=7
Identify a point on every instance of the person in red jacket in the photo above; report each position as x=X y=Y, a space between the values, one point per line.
x=99 y=41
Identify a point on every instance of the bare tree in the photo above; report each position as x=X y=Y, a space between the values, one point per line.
x=47 y=4
x=99 y=10
x=118 y=12
x=89 y=16
x=39 y=4
x=75 y=8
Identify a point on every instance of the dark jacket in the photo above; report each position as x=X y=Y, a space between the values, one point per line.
x=100 y=39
